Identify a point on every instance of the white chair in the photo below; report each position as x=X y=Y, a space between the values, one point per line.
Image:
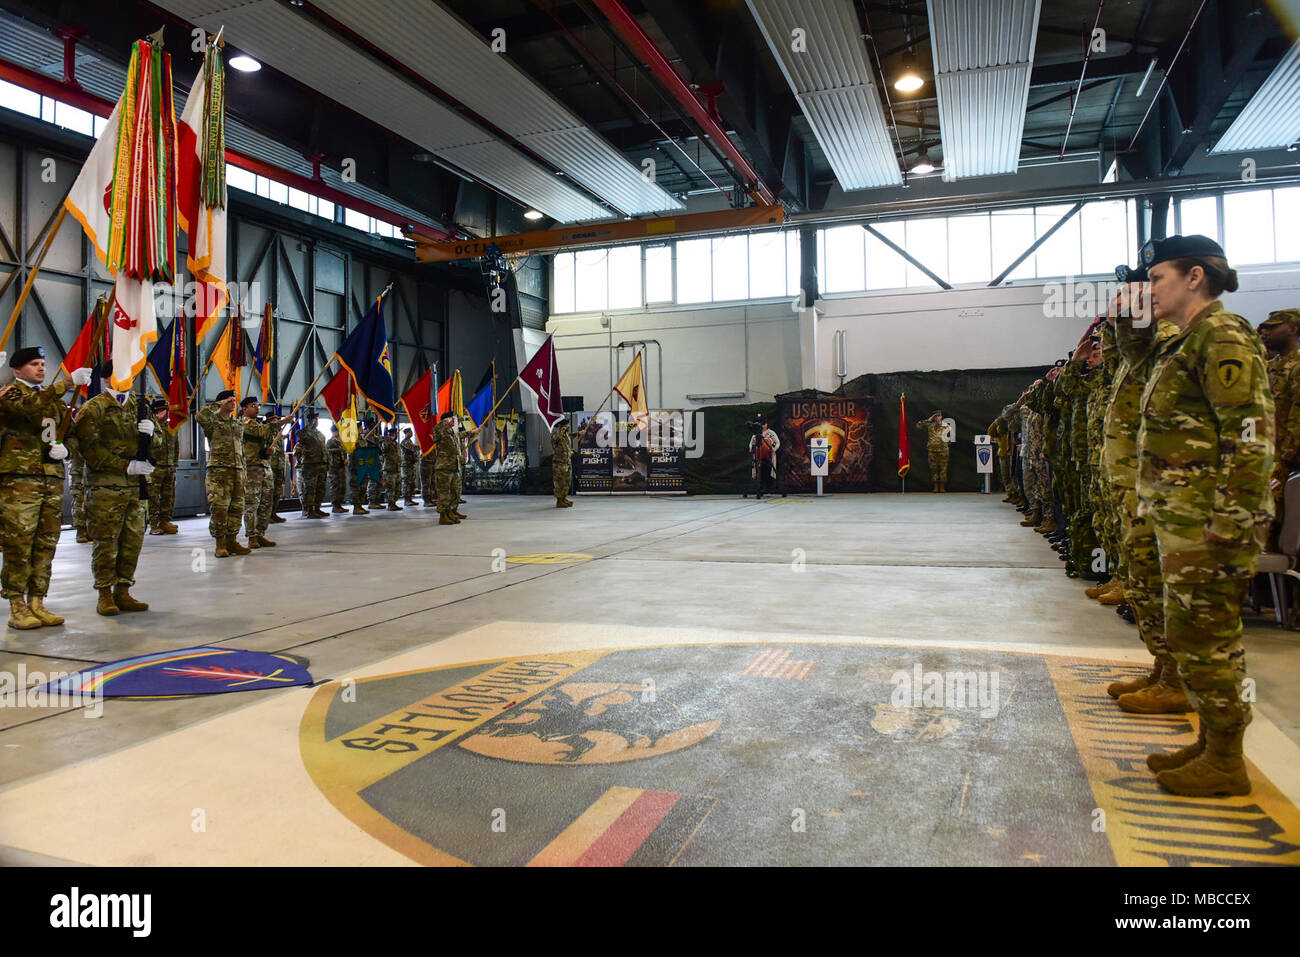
x=1280 y=565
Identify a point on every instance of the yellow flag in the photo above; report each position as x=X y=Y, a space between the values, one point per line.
x=348 y=425
x=229 y=372
x=631 y=386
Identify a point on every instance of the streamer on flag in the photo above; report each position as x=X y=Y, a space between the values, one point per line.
x=125 y=199
x=167 y=361
x=449 y=397
x=201 y=154
x=541 y=377
x=230 y=354
x=904 y=443
x=90 y=349
x=265 y=351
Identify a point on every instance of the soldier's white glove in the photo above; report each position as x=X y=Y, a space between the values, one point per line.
x=145 y=427
x=58 y=451
x=81 y=376
x=137 y=467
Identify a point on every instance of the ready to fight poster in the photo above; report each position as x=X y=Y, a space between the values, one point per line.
x=496 y=457
x=615 y=453
x=845 y=423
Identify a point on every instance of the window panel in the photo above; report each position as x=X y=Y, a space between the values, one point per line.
x=625 y=277
x=48 y=107
x=1248 y=227
x=767 y=253
x=659 y=274
x=793 y=262
x=100 y=123
x=237 y=178
x=562 y=282
x=325 y=208
x=278 y=192
x=730 y=268
x=969 y=249
x=1199 y=217
x=264 y=190
x=927 y=242
x=845 y=259
x=71 y=118
x=694 y=271
x=21 y=100
x=591 y=279
x=1013 y=233
x=1286 y=206
x=352 y=218
x=885 y=268
x=1105 y=240
x=298 y=199
x=1061 y=255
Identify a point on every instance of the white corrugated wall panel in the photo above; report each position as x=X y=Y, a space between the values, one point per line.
x=983 y=53
x=834 y=84
x=1271 y=120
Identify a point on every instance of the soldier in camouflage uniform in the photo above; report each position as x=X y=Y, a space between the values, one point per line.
x=77 y=486
x=337 y=460
x=937 y=450
x=367 y=480
x=1106 y=507
x=999 y=432
x=1205 y=450
x=108 y=431
x=279 y=468
x=446 y=469
x=310 y=457
x=1032 y=459
x=391 y=451
x=1279 y=334
x=259 y=484
x=466 y=437
x=31 y=485
x=562 y=463
x=165 y=449
x=225 y=471
x=428 y=488
x=410 y=467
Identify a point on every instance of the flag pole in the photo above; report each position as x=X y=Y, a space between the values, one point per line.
x=323 y=370
x=31 y=276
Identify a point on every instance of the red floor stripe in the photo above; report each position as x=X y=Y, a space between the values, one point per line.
x=625 y=835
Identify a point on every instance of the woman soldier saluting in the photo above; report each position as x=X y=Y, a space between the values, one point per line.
x=1205 y=447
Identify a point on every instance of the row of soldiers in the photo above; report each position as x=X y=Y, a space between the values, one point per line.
x=1152 y=459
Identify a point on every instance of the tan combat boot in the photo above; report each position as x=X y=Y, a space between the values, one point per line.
x=338 y=510
x=394 y=507
x=106 y=606
x=1032 y=518
x=252 y=542
x=1048 y=527
x=263 y=541
x=1219 y=769
x=82 y=537
x=233 y=546
x=458 y=514
x=1115 y=596
x=360 y=510
x=1117 y=689
x=444 y=518
x=1165 y=761
x=36 y=605
x=124 y=602
x=565 y=502
x=155 y=530
x=1166 y=696
x=559 y=503
x=20 y=616
x=222 y=552
x=170 y=529
x=1096 y=590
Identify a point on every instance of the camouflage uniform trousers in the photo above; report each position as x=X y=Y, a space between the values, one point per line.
x=277 y=490
x=447 y=482
x=1106 y=521
x=1083 y=540
x=162 y=496
x=225 y=501
x=1035 y=470
x=428 y=492
x=1143 y=583
x=393 y=486
x=312 y=492
x=259 y=485
x=366 y=491
x=339 y=487
x=77 y=484
x=115 y=521
x=31 y=513
x=563 y=479
x=410 y=483
x=938 y=465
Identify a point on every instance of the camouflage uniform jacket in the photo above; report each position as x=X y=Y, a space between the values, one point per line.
x=1284 y=381
x=391 y=450
x=1206 y=440
x=109 y=438
x=257 y=439
x=279 y=457
x=23 y=411
x=1119 y=456
x=311 y=448
x=562 y=442
x=410 y=454
x=165 y=446
x=335 y=453
x=933 y=435
x=225 y=437
x=446 y=448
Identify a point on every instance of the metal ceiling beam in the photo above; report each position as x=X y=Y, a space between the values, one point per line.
x=627 y=27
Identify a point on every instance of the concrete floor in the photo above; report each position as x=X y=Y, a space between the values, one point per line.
x=954 y=574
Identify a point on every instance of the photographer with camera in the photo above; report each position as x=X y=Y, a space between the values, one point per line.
x=763 y=446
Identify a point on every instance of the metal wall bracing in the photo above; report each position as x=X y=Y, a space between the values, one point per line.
x=319 y=281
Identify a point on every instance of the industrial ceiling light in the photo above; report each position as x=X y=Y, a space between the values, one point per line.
x=909 y=81
x=245 y=63
x=532 y=214
x=923 y=165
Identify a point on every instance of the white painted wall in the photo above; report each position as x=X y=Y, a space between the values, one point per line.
x=751 y=353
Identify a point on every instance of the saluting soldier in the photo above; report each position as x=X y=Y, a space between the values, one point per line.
x=31 y=484
x=77 y=485
x=446 y=469
x=1206 y=449
x=310 y=456
x=337 y=461
x=562 y=463
x=258 y=481
x=410 y=467
x=165 y=448
x=108 y=431
x=225 y=471
x=937 y=449
x=279 y=466
x=1279 y=332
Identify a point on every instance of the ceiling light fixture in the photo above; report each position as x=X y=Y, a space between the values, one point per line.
x=909 y=81
x=532 y=214
x=923 y=165
x=245 y=63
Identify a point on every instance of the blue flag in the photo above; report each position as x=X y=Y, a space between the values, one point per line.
x=479 y=406
x=364 y=354
x=160 y=358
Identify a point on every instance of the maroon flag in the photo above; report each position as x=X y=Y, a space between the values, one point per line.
x=541 y=377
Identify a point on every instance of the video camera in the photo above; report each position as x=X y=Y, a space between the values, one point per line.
x=756 y=427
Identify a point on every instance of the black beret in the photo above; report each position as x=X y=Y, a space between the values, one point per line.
x=23 y=356
x=225 y=394
x=158 y=405
x=445 y=416
x=247 y=402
